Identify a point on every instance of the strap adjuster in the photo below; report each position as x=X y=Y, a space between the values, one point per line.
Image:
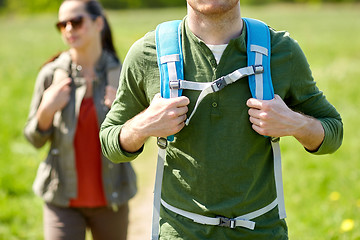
x=162 y=142
x=226 y=222
x=258 y=69
x=218 y=84
x=174 y=84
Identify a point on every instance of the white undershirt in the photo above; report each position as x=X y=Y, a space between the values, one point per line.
x=217 y=50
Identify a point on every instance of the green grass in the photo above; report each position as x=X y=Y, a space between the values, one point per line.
x=320 y=191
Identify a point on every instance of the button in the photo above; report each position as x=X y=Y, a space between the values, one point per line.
x=213 y=62
x=214 y=104
x=55 y=151
x=79 y=68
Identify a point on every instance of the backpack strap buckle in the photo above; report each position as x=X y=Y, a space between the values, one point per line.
x=258 y=69
x=226 y=222
x=174 y=84
x=219 y=84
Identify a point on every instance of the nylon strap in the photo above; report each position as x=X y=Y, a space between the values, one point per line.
x=169 y=57
x=217 y=85
x=157 y=194
x=240 y=221
x=258 y=52
x=278 y=177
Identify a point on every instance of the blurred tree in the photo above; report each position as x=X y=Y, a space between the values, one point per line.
x=119 y=4
x=116 y=4
x=32 y=5
x=52 y=5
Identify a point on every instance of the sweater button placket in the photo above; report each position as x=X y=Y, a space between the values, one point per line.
x=213 y=64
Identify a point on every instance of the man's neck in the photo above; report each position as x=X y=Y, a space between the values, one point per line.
x=215 y=29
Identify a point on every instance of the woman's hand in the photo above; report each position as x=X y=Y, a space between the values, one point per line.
x=54 y=99
x=110 y=94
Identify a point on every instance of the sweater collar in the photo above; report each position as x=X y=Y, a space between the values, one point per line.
x=106 y=62
x=239 y=42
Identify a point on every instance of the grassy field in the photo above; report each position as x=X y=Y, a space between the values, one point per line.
x=322 y=193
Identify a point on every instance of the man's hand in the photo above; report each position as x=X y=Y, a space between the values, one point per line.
x=162 y=118
x=274 y=118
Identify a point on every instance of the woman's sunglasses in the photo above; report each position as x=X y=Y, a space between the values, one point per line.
x=75 y=22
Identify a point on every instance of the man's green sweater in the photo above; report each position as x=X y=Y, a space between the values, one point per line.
x=218 y=165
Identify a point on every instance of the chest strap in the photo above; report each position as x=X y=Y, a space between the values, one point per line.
x=240 y=221
x=215 y=86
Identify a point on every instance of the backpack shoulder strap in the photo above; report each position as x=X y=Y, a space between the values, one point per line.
x=258 y=53
x=169 y=56
x=261 y=87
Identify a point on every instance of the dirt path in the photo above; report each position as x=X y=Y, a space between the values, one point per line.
x=140 y=215
x=141 y=204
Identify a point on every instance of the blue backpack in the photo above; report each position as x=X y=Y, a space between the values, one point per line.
x=170 y=62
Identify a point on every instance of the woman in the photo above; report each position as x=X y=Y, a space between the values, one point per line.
x=73 y=93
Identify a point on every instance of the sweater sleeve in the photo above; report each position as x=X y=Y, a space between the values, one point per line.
x=35 y=136
x=130 y=100
x=305 y=97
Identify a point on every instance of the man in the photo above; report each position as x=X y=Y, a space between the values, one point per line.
x=220 y=164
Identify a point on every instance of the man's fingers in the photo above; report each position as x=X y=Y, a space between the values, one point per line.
x=277 y=97
x=182 y=101
x=182 y=110
x=182 y=118
x=260 y=104
x=254 y=103
x=173 y=102
x=157 y=96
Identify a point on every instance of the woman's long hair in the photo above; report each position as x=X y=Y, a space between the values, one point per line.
x=94 y=8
